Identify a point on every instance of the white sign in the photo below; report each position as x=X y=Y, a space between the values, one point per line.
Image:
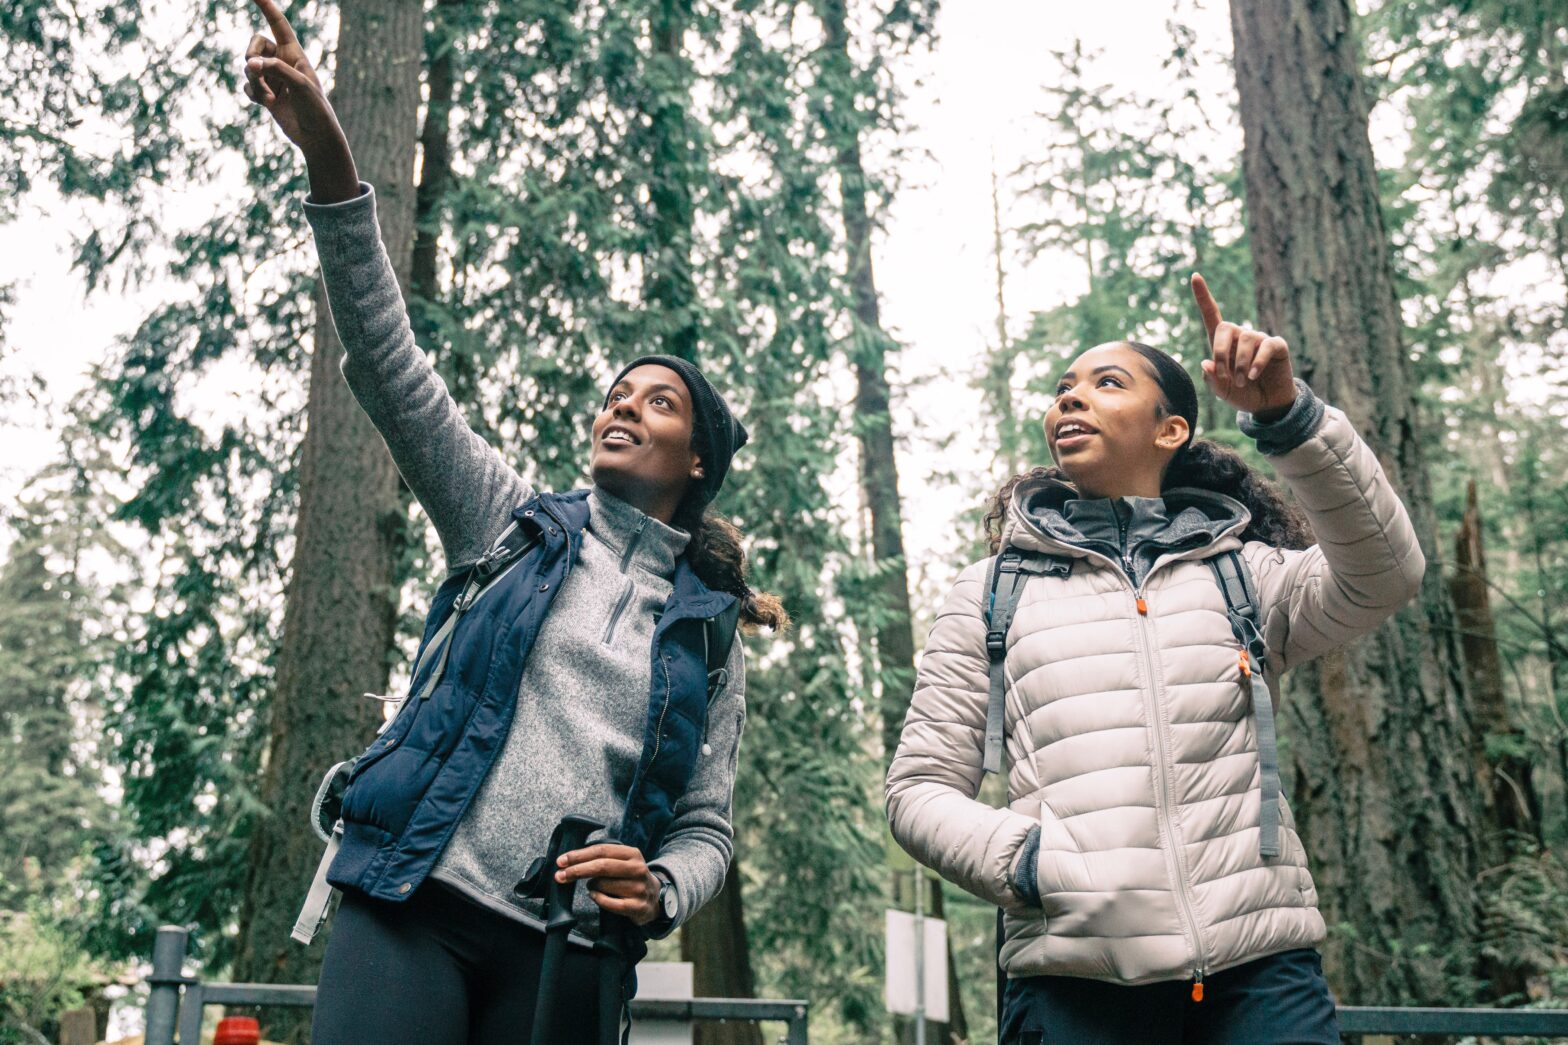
x=902 y=996
x=666 y=981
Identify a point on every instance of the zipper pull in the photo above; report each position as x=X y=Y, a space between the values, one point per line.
x=1197 y=987
x=1143 y=605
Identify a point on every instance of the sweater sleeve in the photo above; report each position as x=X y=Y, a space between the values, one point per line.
x=1367 y=562
x=700 y=842
x=462 y=483
x=936 y=772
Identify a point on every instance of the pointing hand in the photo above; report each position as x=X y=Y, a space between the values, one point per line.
x=1247 y=369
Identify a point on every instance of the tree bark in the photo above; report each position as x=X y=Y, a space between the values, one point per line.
x=1379 y=733
x=339 y=612
x=714 y=941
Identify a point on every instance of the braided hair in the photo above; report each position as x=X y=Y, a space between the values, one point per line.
x=718 y=558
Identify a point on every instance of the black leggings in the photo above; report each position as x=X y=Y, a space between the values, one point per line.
x=441 y=970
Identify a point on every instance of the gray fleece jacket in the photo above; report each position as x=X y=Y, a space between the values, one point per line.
x=582 y=703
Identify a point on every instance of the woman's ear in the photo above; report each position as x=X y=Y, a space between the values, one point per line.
x=1172 y=433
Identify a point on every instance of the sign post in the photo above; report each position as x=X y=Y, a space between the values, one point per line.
x=917 y=964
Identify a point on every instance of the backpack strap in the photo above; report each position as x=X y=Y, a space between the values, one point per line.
x=318 y=901
x=1241 y=606
x=718 y=638
x=512 y=545
x=1005 y=585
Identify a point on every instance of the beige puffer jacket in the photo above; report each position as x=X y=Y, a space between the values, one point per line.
x=1129 y=737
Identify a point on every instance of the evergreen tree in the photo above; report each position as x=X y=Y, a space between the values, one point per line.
x=51 y=661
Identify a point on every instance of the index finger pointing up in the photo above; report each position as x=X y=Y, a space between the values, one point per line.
x=1208 y=308
x=281 y=30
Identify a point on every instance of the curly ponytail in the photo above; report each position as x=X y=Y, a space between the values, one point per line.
x=718 y=558
x=1206 y=465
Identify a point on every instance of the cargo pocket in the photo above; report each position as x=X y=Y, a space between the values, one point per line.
x=1047 y=880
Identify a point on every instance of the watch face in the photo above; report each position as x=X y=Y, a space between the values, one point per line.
x=667 y=900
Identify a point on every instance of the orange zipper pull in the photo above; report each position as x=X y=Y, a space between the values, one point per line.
x=1246 y=666
x=1143 y=607
x=1197 y=988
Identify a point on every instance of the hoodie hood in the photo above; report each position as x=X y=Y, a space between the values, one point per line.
x=1048 y=515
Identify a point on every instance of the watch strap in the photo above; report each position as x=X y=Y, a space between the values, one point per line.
x=668 y=898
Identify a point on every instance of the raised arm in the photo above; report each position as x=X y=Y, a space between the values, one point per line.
x=935 y=774
x=1367 y=562
x=463 y=484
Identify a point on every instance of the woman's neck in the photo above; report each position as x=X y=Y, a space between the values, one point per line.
x=1112 y=490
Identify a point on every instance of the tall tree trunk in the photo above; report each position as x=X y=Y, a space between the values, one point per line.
x=435 y=167
x=1385 y=789
x=894 y=630
x=870 y=345
x=1501 y=763
x=998 y=384
x=339 y=614
x=668 y=285
x=714 y=941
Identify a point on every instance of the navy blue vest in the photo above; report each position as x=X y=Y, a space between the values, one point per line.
x=410 y=788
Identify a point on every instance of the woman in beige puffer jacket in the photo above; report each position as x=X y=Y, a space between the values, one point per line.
x=1140 y=905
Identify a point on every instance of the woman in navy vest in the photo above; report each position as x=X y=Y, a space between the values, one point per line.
x=577 y=682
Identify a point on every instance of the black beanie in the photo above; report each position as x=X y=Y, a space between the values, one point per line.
x=715 y=431
x=1176 y=383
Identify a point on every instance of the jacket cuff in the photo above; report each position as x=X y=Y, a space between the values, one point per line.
x=366 y=198
x=1300 y=423
x=1025 y=868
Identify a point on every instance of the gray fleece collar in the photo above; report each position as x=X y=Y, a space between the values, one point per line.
x=624 y=528
x=1048 y=514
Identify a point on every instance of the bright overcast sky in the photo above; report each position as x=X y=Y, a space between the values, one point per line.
x=976 y=96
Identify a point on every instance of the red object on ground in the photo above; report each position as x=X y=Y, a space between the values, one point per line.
x=237 y=1030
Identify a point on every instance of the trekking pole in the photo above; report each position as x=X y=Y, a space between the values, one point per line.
x=610 y=950
x=540 y=884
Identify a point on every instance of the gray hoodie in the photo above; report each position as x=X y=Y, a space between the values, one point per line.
x=582 y=704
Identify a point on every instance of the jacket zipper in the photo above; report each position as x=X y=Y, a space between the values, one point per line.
x=1127 y=565
x=626 y=591
x=658 y=732
x=1167 y=791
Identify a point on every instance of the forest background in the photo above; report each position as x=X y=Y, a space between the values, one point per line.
x=750 y=183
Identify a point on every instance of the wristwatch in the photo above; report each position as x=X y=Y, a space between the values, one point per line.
x=669 y=902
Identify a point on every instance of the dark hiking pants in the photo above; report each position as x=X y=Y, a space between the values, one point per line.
x=441 y=970
x=1278 y=1000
